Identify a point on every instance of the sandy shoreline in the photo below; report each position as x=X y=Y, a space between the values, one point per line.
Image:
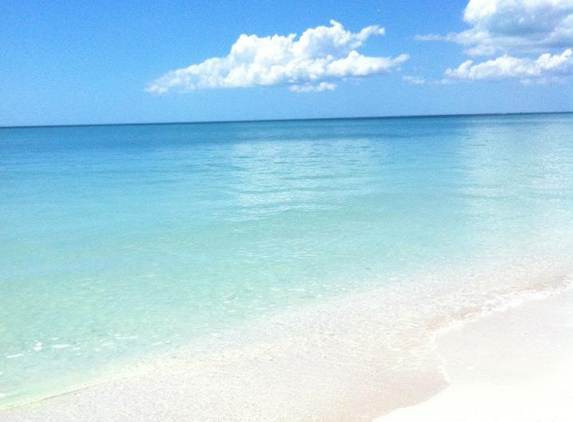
x=514 y=365
x=335 y=366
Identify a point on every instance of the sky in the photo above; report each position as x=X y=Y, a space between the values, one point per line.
x=105 y=61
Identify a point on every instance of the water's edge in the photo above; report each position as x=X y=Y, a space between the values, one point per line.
x=252 y=342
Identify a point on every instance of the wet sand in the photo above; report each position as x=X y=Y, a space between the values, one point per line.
x=335 y=366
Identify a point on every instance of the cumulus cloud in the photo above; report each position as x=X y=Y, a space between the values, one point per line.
x=313 y=62
x=546 y=68
x=513 y=26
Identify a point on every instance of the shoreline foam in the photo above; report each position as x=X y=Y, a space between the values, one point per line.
x=350 y=358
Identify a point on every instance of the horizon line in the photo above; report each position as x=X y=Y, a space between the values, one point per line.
x=398 y=116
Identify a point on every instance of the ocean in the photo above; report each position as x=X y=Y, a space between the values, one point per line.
x=123 y=244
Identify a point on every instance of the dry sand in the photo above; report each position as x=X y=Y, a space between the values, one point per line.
x=511 y=366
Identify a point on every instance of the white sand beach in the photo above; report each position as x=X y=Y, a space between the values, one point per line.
x=510 y=365
x=515 y=365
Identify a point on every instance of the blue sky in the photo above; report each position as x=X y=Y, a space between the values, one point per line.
x=81 y=62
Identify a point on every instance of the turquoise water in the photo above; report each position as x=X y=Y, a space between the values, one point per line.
x=121 y=241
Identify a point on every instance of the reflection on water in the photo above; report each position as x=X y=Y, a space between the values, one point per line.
x=517 y=180
x=303 y=174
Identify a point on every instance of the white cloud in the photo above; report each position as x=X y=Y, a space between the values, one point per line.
x=413 y=80
x=319 y=57
x=546 y=68
x=513 y=26
x=323 y=86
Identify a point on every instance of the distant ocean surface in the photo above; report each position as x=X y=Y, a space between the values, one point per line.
x=122 y=242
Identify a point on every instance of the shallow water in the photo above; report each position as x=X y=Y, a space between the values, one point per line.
x=123 y=241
